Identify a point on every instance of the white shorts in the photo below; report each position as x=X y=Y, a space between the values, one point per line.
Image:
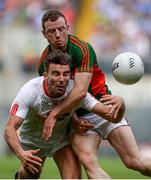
x=31 y=138
x=51 y=150
x=102 y=126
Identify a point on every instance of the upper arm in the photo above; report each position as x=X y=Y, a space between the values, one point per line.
x=82 y=80
x=83 y=61
x=83 y=55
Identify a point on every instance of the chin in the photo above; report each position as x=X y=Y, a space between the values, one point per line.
x=61 y=47
x=58 y=94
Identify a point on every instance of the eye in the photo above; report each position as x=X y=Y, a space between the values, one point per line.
x=61 y=28
x=66 y=74
x=50 y=31
x=56 y=73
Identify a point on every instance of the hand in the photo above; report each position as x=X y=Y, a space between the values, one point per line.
x=117 y=103
x=49 y=124
x=83 y=125
x=30 y=161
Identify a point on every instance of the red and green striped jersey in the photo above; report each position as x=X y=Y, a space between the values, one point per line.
x=83 y=60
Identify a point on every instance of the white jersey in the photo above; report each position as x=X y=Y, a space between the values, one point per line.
x=33 y=105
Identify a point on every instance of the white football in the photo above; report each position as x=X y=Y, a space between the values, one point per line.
x=127 y=68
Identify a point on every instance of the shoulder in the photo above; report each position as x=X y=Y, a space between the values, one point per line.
x=31 y=91
x=45 y=52
x=78 y=41
x=32 y=85
x=40 y=64
x=34 y=81
x=80 y=45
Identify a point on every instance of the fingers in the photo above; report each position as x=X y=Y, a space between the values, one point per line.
x=84 y=126
x=31 y=162
x=32 y=168
x=116 y=112
x=34 y=159
x=35 y=151
x=106 y=100
x=48 y=128
x=85 y=123
x=106 y=97
x=48 y=133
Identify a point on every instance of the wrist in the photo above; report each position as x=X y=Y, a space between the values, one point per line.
x=55 y=113
x=19 y=153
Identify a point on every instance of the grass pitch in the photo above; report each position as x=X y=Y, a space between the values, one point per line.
x=113 y=166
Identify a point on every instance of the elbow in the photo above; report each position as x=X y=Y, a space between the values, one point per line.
x=6 y=133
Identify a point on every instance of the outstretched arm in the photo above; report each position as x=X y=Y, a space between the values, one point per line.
x=108 y=112
x=28 y=158
x=118 y=105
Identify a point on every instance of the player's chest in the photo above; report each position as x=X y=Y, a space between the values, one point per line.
x=45 y=105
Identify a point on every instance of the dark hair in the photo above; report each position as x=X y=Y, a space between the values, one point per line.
x=56 y=56
x=52 y=15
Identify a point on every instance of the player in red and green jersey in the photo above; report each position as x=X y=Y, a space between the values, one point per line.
x=89 y=77
x=83 y=60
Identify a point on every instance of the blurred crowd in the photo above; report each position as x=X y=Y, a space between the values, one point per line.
x=118 y=26
x=28 y=12
x=122 y=25
x=21 y=25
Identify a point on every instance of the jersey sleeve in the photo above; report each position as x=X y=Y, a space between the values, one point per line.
x=22 y=102
x=89 y=102
x=83 y=55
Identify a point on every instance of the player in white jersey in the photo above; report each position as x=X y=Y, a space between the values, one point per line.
x=29 y=110
x=33 y=104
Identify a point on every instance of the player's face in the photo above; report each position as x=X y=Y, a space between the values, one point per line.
x=56 y=33
x=57 y=79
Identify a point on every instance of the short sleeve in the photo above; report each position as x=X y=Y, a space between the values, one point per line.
x=23 y=101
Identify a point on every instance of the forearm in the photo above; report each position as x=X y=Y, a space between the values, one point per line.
x=70 y=102
x=105 y=113
x=81 y=83
x=12 y=140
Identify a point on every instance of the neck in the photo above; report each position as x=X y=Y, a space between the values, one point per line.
x=63 y=49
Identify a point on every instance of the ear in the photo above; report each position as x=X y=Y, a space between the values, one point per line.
x=67 y=27
x=45 y=74
x=43 y=32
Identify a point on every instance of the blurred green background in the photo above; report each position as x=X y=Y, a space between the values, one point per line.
x=112 y=27
x=113 y=166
